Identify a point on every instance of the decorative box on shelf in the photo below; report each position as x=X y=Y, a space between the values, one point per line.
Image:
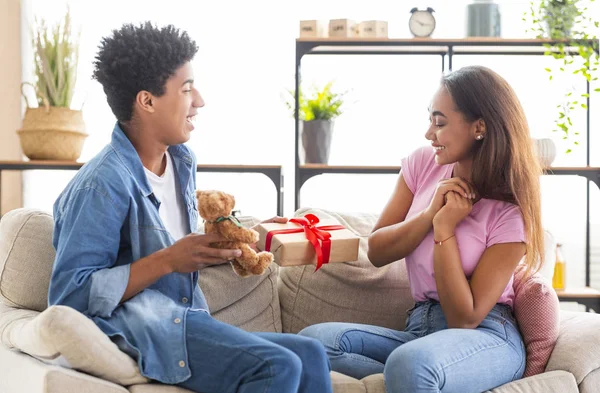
x=313 y=28
x=343 y=28
x=308 y=240
x=373 y=29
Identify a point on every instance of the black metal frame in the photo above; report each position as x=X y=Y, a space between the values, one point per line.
x=308 y=171
x=443 y=48
x=273 y=172
x=590 y=303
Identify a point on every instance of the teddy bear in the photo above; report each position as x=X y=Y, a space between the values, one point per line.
x=215 y=207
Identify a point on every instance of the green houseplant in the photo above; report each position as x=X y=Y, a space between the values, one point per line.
x=559 y=17
x=568 y=25
x=317 y=111
x=52 y=130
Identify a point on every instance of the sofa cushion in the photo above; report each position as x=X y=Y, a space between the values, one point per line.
x=552 y=382
x=21 y=373
x=26 y=258
x=354 y=291
x=157 y=388
x=374 y=383
x=344 y=384
x=577 y=349
x=537 y=312
x=341 y=384
x=62 y=336
x=590 y=383
x=251 y=303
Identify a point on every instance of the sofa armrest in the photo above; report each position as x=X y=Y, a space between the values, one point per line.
x=22 y=373
x=577 y=349
x=62 y=336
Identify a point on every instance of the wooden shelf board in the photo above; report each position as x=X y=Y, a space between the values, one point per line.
x=578 y=293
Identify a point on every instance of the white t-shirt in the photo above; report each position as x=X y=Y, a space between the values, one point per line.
x=172 y=211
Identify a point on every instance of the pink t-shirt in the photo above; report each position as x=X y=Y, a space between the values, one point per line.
x=490 y=222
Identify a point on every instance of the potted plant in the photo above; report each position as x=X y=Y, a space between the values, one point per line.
x=317 y=112
x=52 y=130
x=574 y=47
x=559 y=17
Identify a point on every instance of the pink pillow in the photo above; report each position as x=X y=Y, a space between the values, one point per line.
x=537 y=312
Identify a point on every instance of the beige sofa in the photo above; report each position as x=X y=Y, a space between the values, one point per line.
x=57 y=350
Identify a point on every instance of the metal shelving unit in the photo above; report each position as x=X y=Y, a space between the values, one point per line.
x=273 y=172
x=446 y=49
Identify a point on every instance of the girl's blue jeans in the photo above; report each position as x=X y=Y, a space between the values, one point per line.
x=427 y=356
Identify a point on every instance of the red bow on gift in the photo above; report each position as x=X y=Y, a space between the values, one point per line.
x=313 y=233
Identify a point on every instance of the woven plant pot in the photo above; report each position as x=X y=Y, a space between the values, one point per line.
x=52 y=134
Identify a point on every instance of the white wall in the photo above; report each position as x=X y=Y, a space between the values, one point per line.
x=10 y=100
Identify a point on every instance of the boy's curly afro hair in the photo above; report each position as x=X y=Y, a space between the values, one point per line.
x=137 y=58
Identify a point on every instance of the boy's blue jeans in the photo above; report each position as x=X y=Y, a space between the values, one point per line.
x=226 y=359
x=427 y=356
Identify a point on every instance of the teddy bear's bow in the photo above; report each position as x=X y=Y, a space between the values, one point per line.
x=232 y=218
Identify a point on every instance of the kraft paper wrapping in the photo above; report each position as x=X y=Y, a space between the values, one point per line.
x=293 y=249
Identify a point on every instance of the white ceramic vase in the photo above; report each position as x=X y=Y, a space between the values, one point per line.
x=546 y=150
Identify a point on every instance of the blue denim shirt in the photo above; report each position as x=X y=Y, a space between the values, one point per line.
x=105 y=219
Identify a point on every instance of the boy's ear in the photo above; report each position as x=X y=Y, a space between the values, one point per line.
x=143 y=101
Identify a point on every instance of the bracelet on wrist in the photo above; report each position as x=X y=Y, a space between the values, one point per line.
x=439 y=243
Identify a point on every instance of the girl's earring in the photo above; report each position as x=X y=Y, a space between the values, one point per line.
x=479 y=137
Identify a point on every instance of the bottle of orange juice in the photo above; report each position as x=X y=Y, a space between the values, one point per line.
x=558 y=279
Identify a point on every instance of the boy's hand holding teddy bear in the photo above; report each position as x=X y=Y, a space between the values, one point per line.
x=216 y=208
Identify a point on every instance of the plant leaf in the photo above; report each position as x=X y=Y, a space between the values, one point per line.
x=56 y=53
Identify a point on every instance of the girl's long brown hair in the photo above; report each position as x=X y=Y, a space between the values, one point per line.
x=505 y=164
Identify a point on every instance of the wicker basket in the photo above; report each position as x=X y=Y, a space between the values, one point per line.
x=52 y=134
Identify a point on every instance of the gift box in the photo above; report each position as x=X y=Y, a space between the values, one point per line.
x=343 y=28
x=308 y=240
x=373 y=29
x=313 y=28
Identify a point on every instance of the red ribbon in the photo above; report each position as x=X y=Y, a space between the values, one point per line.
x=313 y=233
